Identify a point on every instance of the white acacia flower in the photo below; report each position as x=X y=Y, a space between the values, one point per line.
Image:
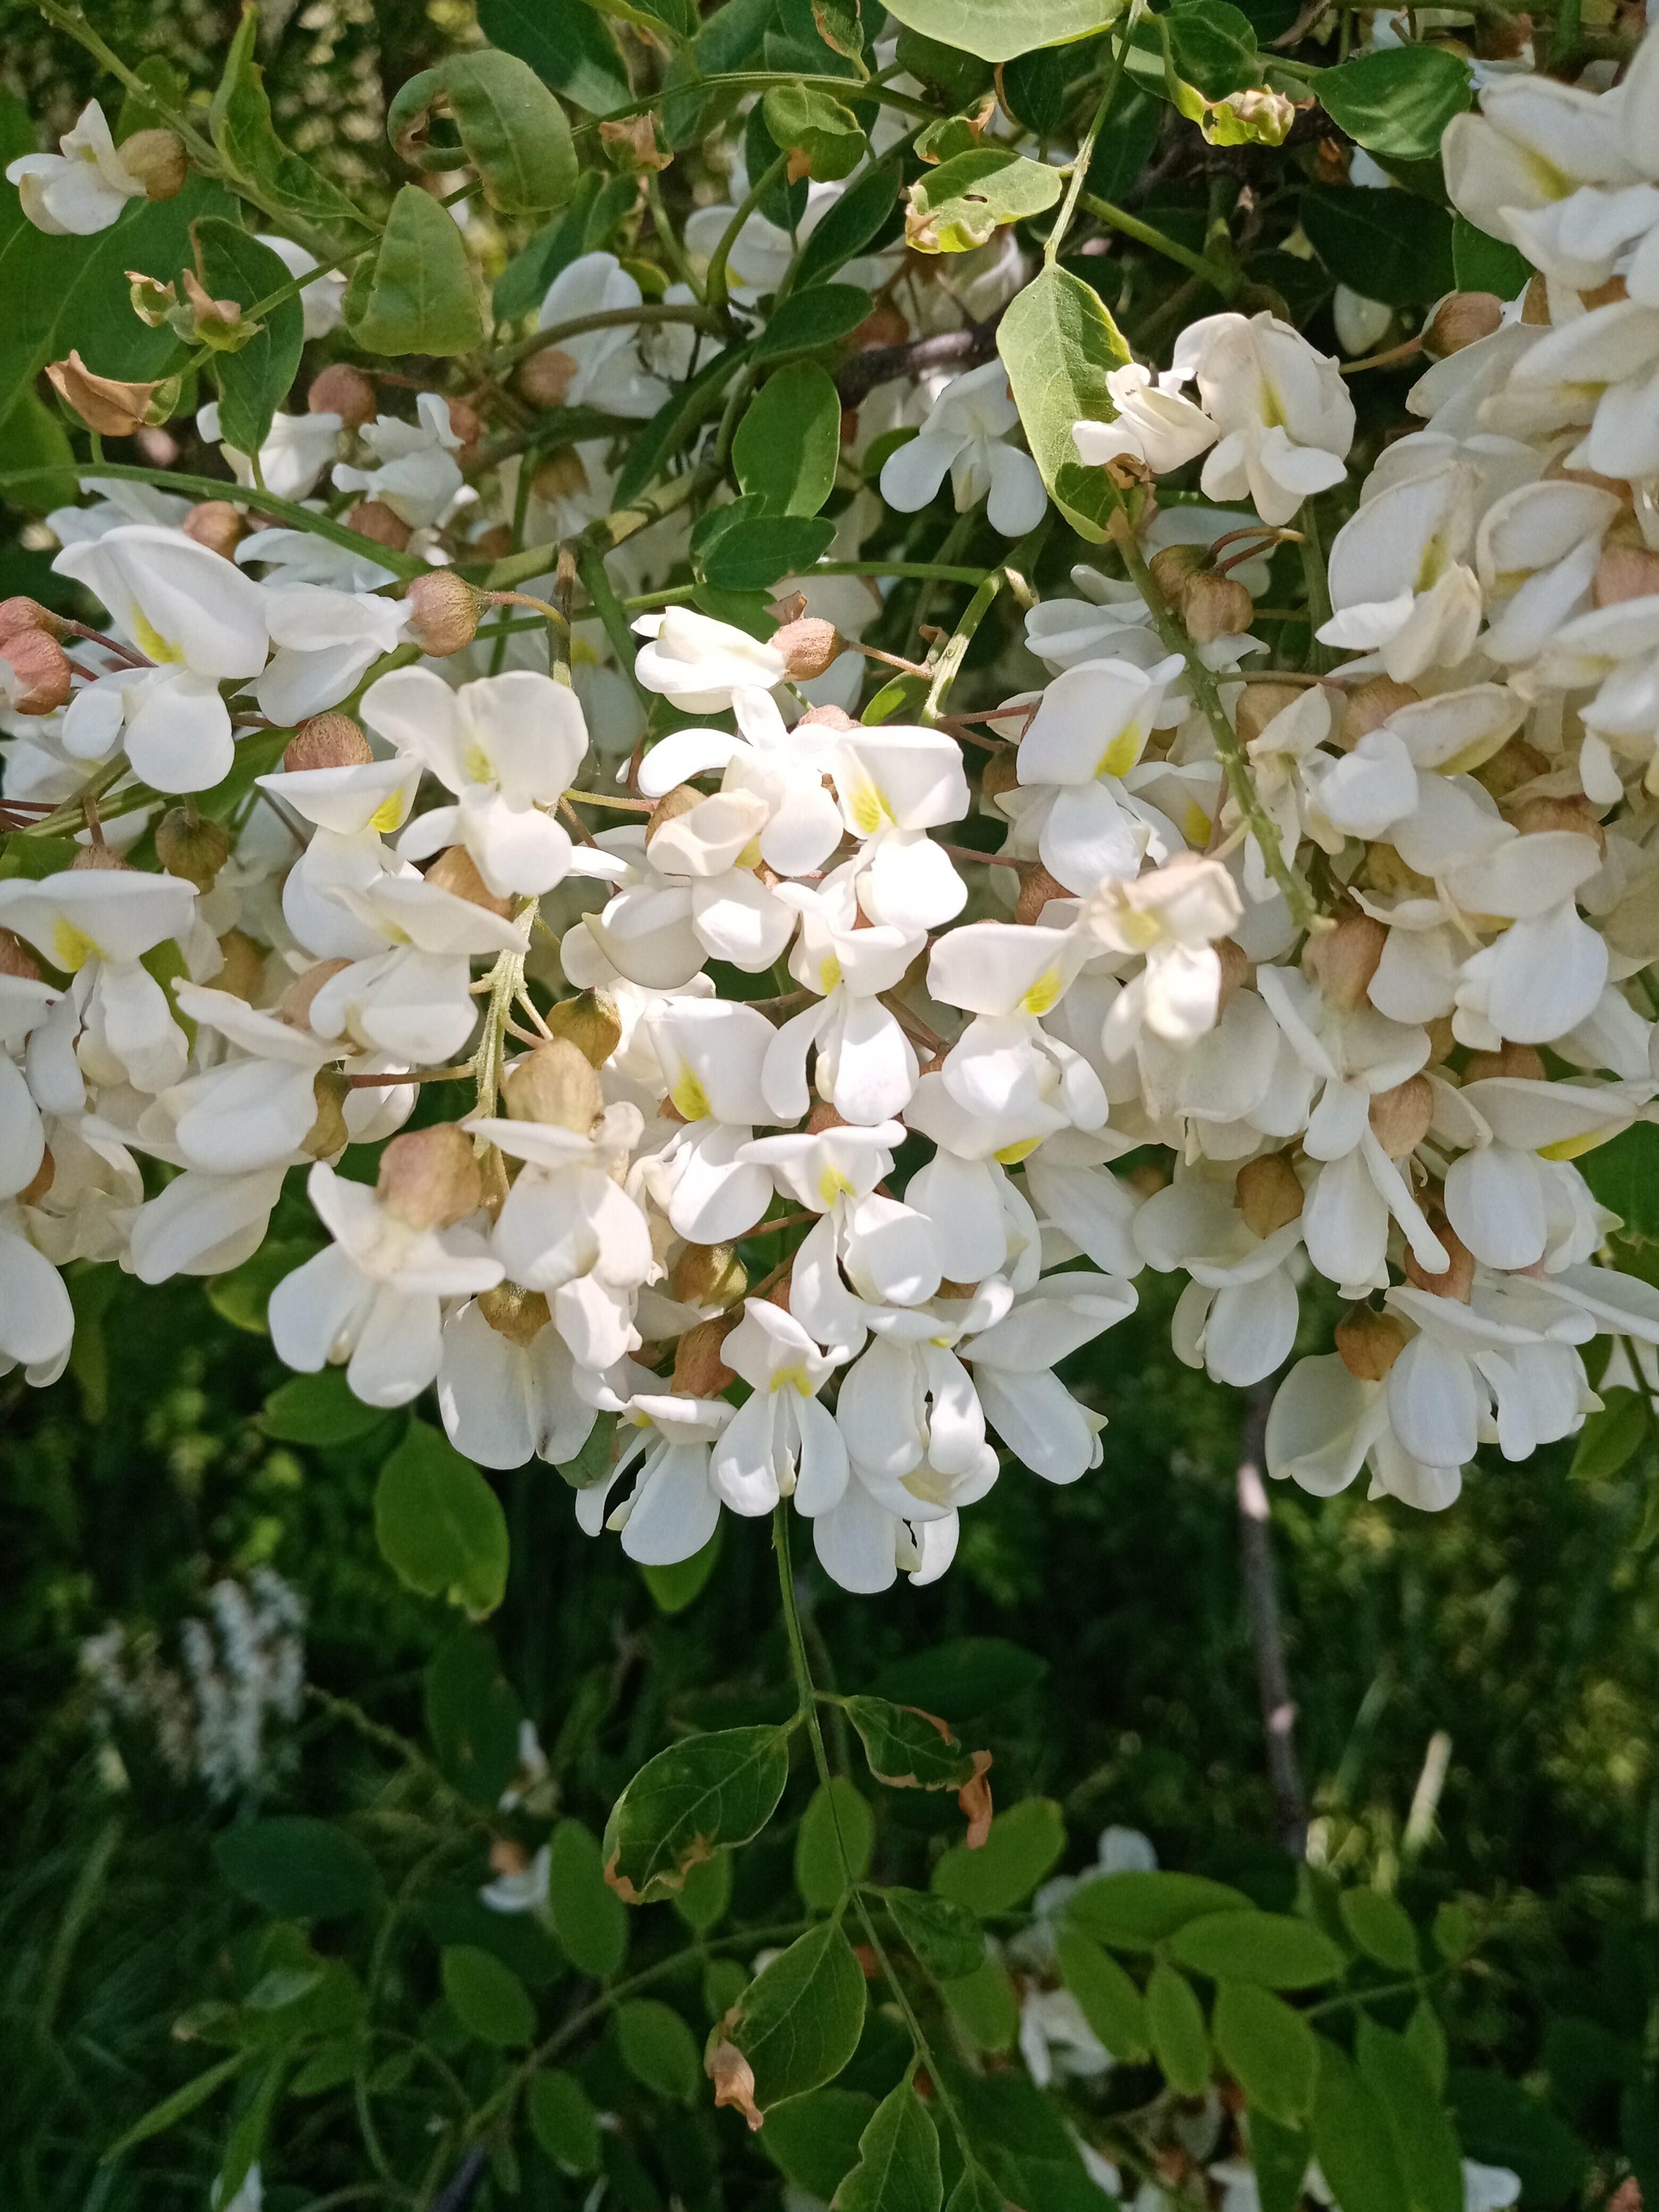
x=963 y=438
x=894 y=785
x=712 y=1052
x=672 y=1509
x=411 y=997
x=700 y=663
x=1399 y=584
x=609 y=373
x=325 y=641
x=690 y=893
x=1283 y=413
x=782 y=1442
x=37 y=1322
x=1172 y=916
x=417 y=475
x=296 y=451
x=1153 y=423
x=1007 y=976
x=1085 y=738
x=82 y=188
x=1238 y=1316
x=785 y=768
x=97 y=924
x=508 y=1389
x=323 y=299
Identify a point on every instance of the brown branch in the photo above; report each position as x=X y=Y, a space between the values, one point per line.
x=857 y=378
x=1266 y=1633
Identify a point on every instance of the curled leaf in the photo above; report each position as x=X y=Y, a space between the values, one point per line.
x=732 y=2075
x=975 y=1799
x=104 y=404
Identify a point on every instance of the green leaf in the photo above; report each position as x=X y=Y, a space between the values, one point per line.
x=569 y=47
x=1269 y=1948
x=788 y=442
x=1124 y=148
x=1398 y=101
x=1381 y=1927
x=589 y=1918
x=255 y=378
x=686 y=1803
x=1109 y=2001
x=1353 y=2138
x=837 y=1818
x=1280 y=2156
x=33 y=437
x=1058 y=344
x=955 y=207
x=814 y=2139
x=674 y=1588
x=1453 y=1931
x=296 y=1868
x=260 y=166
x=948 y=1941
x=1134 y=1911
x=859 y=217
x=1500 y=2124
x=740 y=548
x=1175 y=2025
x=564 y=2121
x=1212 y=45
x=1387 y=246
x=316 y=1409
x=963 y=1676
x=899 y=2168
x=416 y=294
x=1610 y=1439
x=511 y=129
x=798 y=2022
x=985 y=2006
x=1268 y=2048
x=808 y=320
x=659 y=2049
x=997 y=30
x=976 y=2192
x=829 y=135
x=662 y=437
x=1492 y=265
x=1036 y=89
x=439 y=1524
x=908 y=1748
x=473 y=1716
x=177 y=2107
x=1428 y=2040
x=1623 y=1173
x=1024 y=1846
x=488 y=1998
x=1423 y=2138
x=705 y=1897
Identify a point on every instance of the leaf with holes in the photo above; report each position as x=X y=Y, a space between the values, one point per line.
x=955 y=207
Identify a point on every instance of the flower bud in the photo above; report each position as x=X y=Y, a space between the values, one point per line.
x=328 y=1134
x=1342 y=961
x=1522 y=1059
x=1536 y=817
x=885 y=325
x=517 y=1314
x=21 y=614
x=157 y=159
x=1458 y=1280
x=429 y=1178
x=708 y=1275
x=243 y=974
x=216 y=323
x=342 y=390
x=1000 y=773
x=1509 y=767
x=1268 y=1193
x=543 y=378
x=1625 y=572
x=466 y=423
x=104 y=404
x=17 y=959
x=1260 y=703
x=823 y=1116
x=443 y=612
x=1235 y=970
x=1214 y=606
x=590 y=1022
x=562 y=475
x=93 y=856
x=373 y=520
x=294 y=1008
x=216 y=524
x=1369 y=1343
x=1388 y=875
x=808 y=646
x=195 y=849
x=1460 y=319
x=555 y=1083
x=456 y=872
x=38 y=676
x=1399 y=1118
x=1036 y=888
x=1369 y=705
x=669 y=808
x=1174 y=568
x=826 y=718
x=699 y=1370
x=331 y=740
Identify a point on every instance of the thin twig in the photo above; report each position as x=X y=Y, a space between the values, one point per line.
x=1267 y=1635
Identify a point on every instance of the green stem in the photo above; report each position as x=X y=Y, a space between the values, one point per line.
x=670 y=237
x=1146 y=233
x=760 y=81
x=948 y=664
x=1085 y=153
x=1207 y=698
x=715 y=282
x=590 y=567
x=602 y=318
x=202 y=150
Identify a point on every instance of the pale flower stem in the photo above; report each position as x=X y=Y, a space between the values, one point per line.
x=1202 y=685
x=602 y=318
x=714 y=278
x=1147 y=234
x=947 y=667
x=1062 y=221
x=1266 y=1633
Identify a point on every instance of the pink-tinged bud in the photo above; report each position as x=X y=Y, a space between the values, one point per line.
x=1214 y=606
x=544 y=378
x=519 y=1315
x=1259 y=704
x=827 y=718
x=443 y=612
x=1625 y=572
x=195 y=850
x=1522 y=1059
x=456 y=872
x=243 y=974
x=808 y=646
x=1369 y=705
x=41 y=677
x=1369 y=1343
x=1535 y=817
x=158 y=160
x=699 y=1370
x=294 y=1005
x=558 y=1084
x=216 y=524
x=590 y=1022
x=1399 y=1118
x=20 y=614
x=342 y=390
x=467 y=423
x=373 y=520
x=1036 y=888
x=91 y=857
x=1343 y=960
x=708 y=1275
x=1461 y=320
x=1268 y=1193
x=429 y=1178
x=331 y=740
x=1458 y=1280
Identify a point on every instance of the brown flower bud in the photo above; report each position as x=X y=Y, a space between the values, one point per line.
x=669 y=808
x=294 y=1008
x=373 y=520
x=467 y=424
x=1342 y=961
x=342 y=390
x=1625 y=572
x=1268 y=1193
x=89 y=857
x=331 y=740
x=217 y=322
x=443 y=612
x=1000 y=772
x=1036 y=888
x=1369 y=1343
x=544 y=378
x=1538 y=816
x=243 y=974
x=20 y=614
x=555 y=1083
x=1370 y=704
x=808 y=646
x=1399 y=1118
x=216 y=524
x=1523 y=1059
x=827 y=718
x=1535 y=301
x=699 y=1370
x=1214 y=606
x=1457 y=1281
x=590 y=1022
x=456 y=872
x=1509 y=767
x=38 y=682
x=159 y=162
x=1174 y=568
x=562 y=475
x=1460 y=320
x=1443 y=1038
x=1235 y=970
x=429 y=1178
x=708 y=1275
x=328 y=1134
x=104 y=404
x=517 y=1314
x=885 y=325
x=17 y=959
x=196 y=850
x=1260 y=703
